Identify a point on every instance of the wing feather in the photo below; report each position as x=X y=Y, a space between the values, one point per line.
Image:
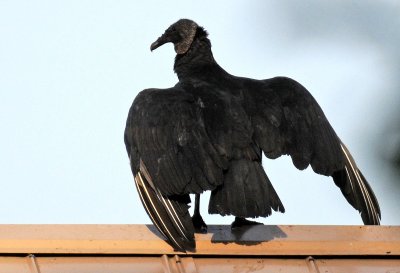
x=288 y=120
x=171 y=156
x=166 y=215
x=165 y=129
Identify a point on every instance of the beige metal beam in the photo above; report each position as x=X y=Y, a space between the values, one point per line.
x=267 y=240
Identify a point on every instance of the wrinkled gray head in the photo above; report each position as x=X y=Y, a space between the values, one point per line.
x=181 y=34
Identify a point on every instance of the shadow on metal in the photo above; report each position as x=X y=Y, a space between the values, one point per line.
x=246 y=235
x=155 y=231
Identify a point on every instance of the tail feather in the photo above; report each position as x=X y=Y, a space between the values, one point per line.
x=357 y=191
x=246 y=192
x=170 y=214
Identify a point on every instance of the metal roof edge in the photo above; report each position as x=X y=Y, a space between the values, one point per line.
x=260 y=240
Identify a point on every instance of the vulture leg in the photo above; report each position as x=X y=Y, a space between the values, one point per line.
x=198 y=222
x=240 y=222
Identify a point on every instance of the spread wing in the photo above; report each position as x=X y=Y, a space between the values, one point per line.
x=171 y=156
x=288 y=120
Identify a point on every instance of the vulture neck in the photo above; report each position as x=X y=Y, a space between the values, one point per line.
x=198 y=62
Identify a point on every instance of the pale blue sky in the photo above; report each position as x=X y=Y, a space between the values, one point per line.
x=71 y=69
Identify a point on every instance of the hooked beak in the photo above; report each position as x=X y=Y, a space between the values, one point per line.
x=159 y=42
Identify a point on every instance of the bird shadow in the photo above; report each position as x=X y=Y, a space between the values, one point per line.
x=156 y=232
x=246 y=235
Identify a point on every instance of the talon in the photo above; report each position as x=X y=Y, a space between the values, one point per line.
x=240 y=222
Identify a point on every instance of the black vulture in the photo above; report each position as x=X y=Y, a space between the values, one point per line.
x=208 y=132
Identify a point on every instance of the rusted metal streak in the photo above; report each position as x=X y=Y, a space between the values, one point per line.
x=33 y=266
x=312 y=265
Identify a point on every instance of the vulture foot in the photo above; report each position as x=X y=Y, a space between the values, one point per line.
x=240 y=222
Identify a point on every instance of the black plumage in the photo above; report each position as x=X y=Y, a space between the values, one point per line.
x=208 y=132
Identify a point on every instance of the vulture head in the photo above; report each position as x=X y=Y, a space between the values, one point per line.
x=181 y=34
